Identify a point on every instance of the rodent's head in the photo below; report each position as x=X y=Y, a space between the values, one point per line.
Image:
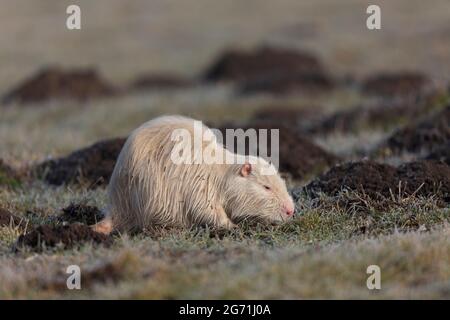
x=252 y=195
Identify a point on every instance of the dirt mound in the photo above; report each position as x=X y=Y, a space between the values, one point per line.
x=396 y=84
x=81 y=213
x=54 y=83
x=161 y=82
x=298 y=156
x=288 y=83
x=381 y=115
x=7 y=218
x=381 y=181
x=288 y=116
x=8 y=176
x=424 y=136
x=371 y=178
x=441 y=154
x=92 y=165
x=426 y=178
x=68 y=236
x=236 y=65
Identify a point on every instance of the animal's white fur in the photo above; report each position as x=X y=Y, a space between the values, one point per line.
x=148 y=189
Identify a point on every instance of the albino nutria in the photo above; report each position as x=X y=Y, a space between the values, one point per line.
x=147 y=188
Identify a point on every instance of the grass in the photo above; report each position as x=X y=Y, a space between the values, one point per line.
x=5 y=180
x=187 y=265
x=323 y=253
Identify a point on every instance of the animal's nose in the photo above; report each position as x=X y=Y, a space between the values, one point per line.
x=289 y=210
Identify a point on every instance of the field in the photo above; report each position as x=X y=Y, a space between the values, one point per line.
x=367 y=162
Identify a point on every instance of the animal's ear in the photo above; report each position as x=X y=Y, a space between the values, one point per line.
x=246 y=169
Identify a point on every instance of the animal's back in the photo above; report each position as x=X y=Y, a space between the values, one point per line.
x=147 y=188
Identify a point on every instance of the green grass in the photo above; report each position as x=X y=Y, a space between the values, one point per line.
x=6 y=180
x=323 y=253
x=184 y=265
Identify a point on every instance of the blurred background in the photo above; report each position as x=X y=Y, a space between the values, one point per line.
x=123 y=38
x=138 y=53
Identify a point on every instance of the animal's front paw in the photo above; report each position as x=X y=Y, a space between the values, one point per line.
x=226 y=223
x=230 y=225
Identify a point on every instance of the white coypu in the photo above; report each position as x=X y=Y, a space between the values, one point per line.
x=149 y=188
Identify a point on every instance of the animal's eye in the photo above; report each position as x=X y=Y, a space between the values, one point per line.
x=267 y=187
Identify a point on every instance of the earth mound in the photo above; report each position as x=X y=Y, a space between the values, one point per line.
x=426 y=178
x=373 y=179
x=68 y=236
x=237 y=65
x=380 y=115
x=402 y=84
x=81 y=213
x=161 y=82
x=382 y=181
x=298 y=156
x=288 y=116
x=92 y=165
x=441 y=154
x=55 y=83
x=424 y=136
x=7 y=218
x=288 y=83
